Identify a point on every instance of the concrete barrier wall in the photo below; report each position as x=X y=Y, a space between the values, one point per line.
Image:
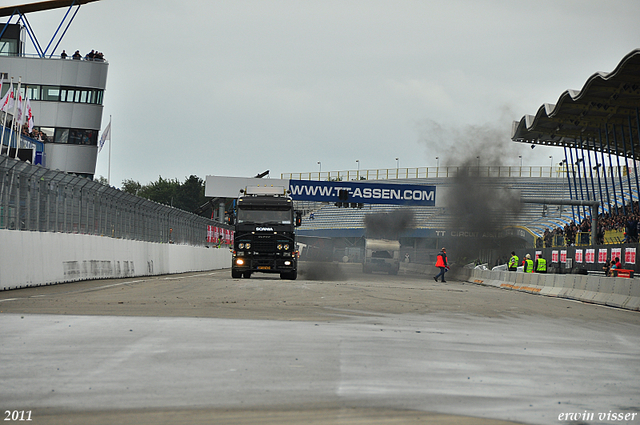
x=41 y=258
x=611 y=291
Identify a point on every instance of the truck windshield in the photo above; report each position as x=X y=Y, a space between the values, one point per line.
x=264 y=216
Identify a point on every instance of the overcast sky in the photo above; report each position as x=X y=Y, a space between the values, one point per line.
x=238 y=87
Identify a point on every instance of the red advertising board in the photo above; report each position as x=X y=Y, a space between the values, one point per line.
x=602 y=255
x=590 y=256
x=214 y=233
x=630 y=255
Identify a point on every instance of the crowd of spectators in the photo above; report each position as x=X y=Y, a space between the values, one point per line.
x=93 y=55
x=627 y=221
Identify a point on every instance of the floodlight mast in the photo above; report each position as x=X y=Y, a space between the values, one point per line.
x=595 y=205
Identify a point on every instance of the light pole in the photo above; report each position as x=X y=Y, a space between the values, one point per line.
x=551 y=166
x=437 y=161
x=397 y=163
x=320 y=170
x=520 y=156
x=358 y=173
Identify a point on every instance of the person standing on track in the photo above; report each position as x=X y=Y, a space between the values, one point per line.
x=441 y=263
x=513 y=262
x=528 y=264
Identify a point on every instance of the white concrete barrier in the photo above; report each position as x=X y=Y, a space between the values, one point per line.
x=612 y=291
x=42 y=258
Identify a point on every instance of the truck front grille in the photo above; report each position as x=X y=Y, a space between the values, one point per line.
x=264 y=245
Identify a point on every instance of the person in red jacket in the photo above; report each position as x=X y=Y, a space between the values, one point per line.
x=441 y=263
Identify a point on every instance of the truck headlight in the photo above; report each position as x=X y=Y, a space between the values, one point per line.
x=239 y=262
x=286 y=247
x=279 y=247
x=287 y=263
x=241 y=245
x=247 y=245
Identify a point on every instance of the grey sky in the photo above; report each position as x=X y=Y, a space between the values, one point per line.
x=238 y=87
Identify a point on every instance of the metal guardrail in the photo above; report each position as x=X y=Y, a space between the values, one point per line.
x=34 y=198
x=450 y=171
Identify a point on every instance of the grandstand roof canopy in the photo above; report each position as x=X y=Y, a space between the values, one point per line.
x=40 y=6
x=608 y=101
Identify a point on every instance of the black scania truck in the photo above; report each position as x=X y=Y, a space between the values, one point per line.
x=264 y=238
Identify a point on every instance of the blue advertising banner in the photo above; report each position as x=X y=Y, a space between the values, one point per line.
x=362 y=192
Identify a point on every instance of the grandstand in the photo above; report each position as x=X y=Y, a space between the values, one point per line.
x=329 y=220
x=599 y=129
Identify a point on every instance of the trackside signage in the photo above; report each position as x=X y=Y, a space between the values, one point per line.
x=363 y=192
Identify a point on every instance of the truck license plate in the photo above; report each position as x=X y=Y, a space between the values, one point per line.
x=264 y=267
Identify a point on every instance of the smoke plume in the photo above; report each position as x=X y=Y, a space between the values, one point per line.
x=476 y=202
x=388 y=225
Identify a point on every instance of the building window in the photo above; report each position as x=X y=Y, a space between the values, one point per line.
x=75 y=136
x=33 y=92
x=61 y=135
x=51 y=93
x=45 y=134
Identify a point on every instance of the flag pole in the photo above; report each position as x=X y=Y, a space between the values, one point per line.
x=109 y=168
x=4 y=121
x=20 y=121
x=13 y=121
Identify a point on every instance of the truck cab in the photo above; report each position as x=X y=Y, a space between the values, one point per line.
x=265 y=241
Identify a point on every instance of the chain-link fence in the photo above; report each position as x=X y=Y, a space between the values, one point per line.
x=37 y=199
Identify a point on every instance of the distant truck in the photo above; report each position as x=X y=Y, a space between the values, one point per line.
x=381 y=255
x=265 y=239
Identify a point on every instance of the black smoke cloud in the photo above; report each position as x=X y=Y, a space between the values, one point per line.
x=476 y=203
x=388 y=225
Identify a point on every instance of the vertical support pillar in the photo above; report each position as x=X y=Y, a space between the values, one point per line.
x=626 y=166
x=584 y=176
x=594 y=224
x=633 y=155
x=575 y=184
x=566 y=162
x=604 y=173
x=613 y=185
x=593 y=186
x=615 y=141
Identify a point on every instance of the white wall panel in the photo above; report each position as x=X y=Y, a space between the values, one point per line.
x=39 y=258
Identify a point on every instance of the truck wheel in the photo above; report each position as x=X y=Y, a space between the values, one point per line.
x=236 y=274
x=247 y=275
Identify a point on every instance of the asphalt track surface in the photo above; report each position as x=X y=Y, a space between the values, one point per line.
x=333 y=347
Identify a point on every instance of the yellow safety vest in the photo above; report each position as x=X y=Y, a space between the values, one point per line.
x=542 y=265
x=513 y=262
x=528 y=266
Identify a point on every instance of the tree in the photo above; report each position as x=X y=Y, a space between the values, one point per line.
x=163 y=191
x=131 y=186
x=190 y=194
x=102 y=180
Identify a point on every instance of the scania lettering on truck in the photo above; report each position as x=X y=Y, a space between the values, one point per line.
x=265 y=238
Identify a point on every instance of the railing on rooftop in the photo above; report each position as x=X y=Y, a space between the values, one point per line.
x=50 y=56
x=555 y=171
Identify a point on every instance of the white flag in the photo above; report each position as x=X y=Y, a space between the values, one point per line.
x=106 y=134
x=7 y=100
x=29 y=115
x=19 y=115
